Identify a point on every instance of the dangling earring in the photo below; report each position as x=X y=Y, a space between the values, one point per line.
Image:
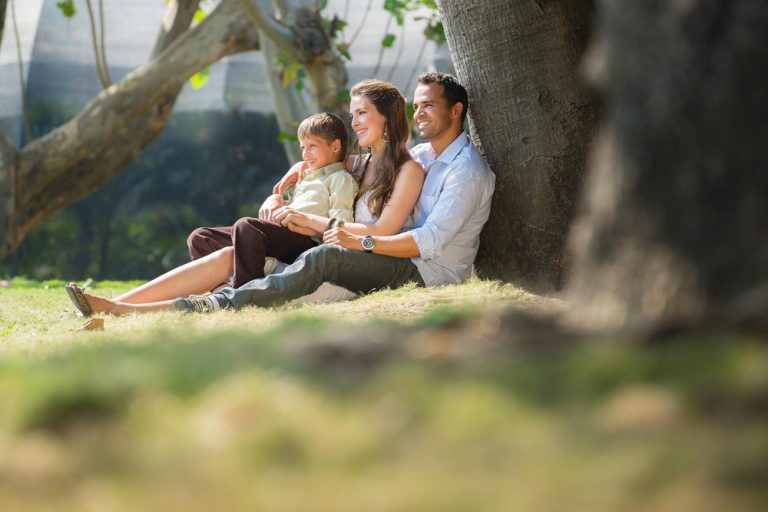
x=386 y=136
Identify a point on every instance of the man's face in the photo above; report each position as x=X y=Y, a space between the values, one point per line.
x=432 y=113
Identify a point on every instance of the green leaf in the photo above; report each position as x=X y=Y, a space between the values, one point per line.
x=199 y=16
x=323 y=4
x=289 y=75
x=200 y=78
x=285 y=136
x=435 y=32
x=344 y=50
x=67 y=8
x=388 y=41
x=343 y=96
x=336 y=25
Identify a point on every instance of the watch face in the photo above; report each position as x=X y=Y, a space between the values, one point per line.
x=367 y=243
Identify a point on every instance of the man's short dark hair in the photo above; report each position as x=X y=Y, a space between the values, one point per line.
x=453 y=91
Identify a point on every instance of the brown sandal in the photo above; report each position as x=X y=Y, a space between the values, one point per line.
x=79 y=299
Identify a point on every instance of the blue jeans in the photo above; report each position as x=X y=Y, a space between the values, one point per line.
x=356 y=271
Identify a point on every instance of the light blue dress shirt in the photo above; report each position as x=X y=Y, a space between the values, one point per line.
x=451 y=211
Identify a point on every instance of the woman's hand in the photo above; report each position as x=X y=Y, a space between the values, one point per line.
x=342 y=238
x=290 y=178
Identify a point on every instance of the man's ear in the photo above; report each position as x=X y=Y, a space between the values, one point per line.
x=456 y=110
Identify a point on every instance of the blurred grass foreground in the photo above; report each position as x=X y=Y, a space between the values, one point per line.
x=406 y=400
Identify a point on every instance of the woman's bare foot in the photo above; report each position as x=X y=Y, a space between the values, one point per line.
x=102 y=305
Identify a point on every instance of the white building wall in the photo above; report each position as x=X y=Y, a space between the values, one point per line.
x=59 y=67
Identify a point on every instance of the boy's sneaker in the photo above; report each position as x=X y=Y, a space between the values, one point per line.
x=199 y=304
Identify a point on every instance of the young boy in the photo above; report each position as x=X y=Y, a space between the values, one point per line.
x=326 y=189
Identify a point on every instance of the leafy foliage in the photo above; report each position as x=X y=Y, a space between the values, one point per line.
x=207 y=169
x=200 y=78
x=67 y=8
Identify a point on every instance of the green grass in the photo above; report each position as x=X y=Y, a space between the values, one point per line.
x=242 y=411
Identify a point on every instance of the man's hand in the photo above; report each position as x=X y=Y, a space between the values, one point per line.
x=268 y=207
x=290 y=178
x=342 y=238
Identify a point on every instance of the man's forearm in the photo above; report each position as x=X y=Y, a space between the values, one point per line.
x=401 y=245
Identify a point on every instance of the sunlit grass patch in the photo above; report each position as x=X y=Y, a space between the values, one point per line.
x=235 y=411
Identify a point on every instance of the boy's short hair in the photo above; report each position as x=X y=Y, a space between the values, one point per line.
x=453 y=91
x=327 y=125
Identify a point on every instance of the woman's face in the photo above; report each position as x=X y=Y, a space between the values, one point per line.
x=367 y=122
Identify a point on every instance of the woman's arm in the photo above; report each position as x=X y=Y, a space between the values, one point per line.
x=300 y=222
x=400 y=205
x=397 y=210
x=291 y=177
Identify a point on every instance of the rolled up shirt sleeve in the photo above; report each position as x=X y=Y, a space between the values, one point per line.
x=449 y=211
x=342 y=189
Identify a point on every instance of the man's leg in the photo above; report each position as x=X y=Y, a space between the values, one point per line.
x=357 y=271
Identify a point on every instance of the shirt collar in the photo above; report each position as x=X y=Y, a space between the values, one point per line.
x=323 y=171
x=449 y=153
x=453 y=149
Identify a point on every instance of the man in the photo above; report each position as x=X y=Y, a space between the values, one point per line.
x=448 y=217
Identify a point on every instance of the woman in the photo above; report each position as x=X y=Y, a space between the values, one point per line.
x=390 y=184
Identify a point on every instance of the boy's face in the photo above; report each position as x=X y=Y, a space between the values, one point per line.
x=318 y=152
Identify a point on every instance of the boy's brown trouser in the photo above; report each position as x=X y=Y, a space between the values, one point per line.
x=253 y=240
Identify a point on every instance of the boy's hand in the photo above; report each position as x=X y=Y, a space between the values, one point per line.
x=268 y=207
x=290 y=178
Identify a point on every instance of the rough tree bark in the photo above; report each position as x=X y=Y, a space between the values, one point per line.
x=674 y=230
x=533 y=118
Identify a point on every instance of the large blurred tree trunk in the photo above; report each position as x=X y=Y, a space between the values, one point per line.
x=532 y=118
x=675 y=226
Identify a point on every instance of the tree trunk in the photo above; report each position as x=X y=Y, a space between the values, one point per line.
x=532 y=118
x=674 y=230
x=3 y=5
x=81 y=155
x=301 y=35
x=289 y=104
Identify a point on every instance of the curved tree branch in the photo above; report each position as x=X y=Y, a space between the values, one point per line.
x=104 y=65
x=362 y=23
x=176 y=20
x=103 y=78
x=280 y=35
x=381 y=47
x=22 y=87
x=111 y=130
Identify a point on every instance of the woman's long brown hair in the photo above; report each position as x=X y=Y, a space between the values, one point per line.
x=390 y=103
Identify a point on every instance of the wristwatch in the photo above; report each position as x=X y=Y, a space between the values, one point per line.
x=367 y=243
